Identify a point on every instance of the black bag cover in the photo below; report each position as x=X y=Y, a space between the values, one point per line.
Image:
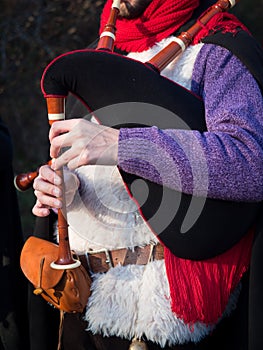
x=103 y=81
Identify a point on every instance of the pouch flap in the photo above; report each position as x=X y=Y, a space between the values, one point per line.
x=35 y=259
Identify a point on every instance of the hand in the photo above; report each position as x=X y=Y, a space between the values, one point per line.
x=87 y=142
x=47 y=186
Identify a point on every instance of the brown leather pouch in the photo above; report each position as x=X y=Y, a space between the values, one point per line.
x=66 y=289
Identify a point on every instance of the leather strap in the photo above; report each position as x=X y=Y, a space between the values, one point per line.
x=103 y=260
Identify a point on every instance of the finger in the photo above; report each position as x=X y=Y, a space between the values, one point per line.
x=67 y=133
x=70 y=180
x=47 y=200
x=72 y=154
x=47 y=174
x=58 y=143
x=62 y=127
x=40 y=210
x=77 y=162
x=71 y=186
x=41 y=186
x=61 y=136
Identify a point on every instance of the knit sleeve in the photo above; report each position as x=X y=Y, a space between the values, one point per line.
x=226 y=161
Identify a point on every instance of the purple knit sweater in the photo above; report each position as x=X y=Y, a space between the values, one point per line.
x=226 y=162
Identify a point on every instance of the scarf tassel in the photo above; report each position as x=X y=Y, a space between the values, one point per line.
x=200 y=290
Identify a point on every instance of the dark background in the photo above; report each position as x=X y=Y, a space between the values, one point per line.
x=32 y=33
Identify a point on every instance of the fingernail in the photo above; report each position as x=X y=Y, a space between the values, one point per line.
x=58 y=204
x=57 y=180
x=57 y=192
x=53 y=164
x=46 y=212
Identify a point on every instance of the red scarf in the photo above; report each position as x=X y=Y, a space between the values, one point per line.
x=160 y=19
x=199 y=290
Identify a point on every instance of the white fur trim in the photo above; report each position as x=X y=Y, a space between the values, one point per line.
x=135 y=301
x=180 y=69
x=104 y=215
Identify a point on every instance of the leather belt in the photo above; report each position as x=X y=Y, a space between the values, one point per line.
x=102 y=260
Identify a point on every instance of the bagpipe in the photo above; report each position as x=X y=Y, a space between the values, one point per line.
x=192 y=227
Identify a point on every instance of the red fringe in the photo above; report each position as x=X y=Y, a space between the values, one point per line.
x=200 y=290
x=223 y=22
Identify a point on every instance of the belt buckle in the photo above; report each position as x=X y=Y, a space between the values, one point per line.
x=108 y=260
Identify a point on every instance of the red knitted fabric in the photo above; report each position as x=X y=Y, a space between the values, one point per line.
x=223 y=22
x=159 y=20
x=200 y=290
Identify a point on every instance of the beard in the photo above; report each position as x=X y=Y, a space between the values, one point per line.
x=130 y=9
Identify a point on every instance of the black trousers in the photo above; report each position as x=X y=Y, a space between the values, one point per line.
x=76 y=338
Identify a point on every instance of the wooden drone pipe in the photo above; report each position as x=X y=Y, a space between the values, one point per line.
x=181 y=42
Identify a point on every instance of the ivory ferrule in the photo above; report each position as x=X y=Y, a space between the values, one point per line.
x=73 y=265
x=107 y=33
x=180 y=43
x=116 y=4
x=232 y=3
x=56 y=116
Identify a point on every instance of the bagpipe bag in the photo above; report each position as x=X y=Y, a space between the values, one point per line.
x=104 y=81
